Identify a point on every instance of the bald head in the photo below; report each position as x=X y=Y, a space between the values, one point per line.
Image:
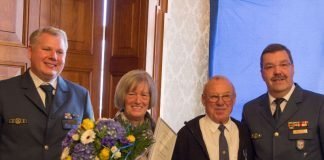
x=218 y=79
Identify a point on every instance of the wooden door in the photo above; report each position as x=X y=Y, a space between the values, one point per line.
x=82 y=21
x=13 y=37
x=126 y=34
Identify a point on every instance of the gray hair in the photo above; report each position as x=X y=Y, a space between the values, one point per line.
x=128 y=82
x=50 y=30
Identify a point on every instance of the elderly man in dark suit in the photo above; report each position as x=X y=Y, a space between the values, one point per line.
x=214 y=136
x=287 y=123
x=38 y=108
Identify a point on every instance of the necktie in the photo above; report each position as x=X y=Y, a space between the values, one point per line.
x=223 y=147
x=277 y=112
x=48 y=89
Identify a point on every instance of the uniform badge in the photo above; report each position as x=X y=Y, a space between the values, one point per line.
x=256 y=135
x=297 y=124
x=75 y=115
x=68 y=116
x=17 y=121
x=300 y=144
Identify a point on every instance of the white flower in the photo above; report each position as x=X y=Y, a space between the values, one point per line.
x=88 y=136
x=116 y=152
x=114 y=149
x=117 y=155
x=75 y=137
x=65 y=153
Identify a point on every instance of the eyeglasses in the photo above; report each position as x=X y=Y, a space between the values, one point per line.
x=215 y=98
x=269 y=67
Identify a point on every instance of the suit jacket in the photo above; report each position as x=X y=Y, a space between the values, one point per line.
x=26 y=129
x=190 y=143
x=299 y=134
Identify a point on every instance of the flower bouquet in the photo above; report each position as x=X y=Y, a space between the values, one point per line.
x=105 y=139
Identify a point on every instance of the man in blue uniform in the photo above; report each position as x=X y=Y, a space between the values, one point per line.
x=34 y=120
x=287 y=123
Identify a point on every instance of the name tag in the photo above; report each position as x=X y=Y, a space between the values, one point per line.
x=300 y=131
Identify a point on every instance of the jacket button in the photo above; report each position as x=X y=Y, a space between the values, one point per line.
x=46 y=147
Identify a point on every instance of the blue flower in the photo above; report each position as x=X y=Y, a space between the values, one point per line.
x=84 y=152
x=68 y=139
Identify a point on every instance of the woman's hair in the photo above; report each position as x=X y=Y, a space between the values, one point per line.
x=129 y=82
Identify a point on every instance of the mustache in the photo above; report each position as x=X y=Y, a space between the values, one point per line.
x=278 y=77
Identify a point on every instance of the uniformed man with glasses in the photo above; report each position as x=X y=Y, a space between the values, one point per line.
x=287 y=122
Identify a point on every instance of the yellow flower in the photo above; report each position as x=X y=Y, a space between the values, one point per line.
x=131 y=138
x=65 y=154
x=104 y=154
x=68 y=158
x=88 y=124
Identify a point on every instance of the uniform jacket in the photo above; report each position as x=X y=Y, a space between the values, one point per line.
x=299 y=134
x=190 y=143
x=27 y=131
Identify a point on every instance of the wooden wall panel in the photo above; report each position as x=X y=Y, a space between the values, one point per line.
x=82 y=77
x=13 y=15
x=113 y=83
x=11 y=69
x=126 y=23
x=78 y=24
x=158 y=24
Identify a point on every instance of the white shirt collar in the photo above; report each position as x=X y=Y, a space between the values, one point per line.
x=214 y=126
x=37 y=81
x=286 y=97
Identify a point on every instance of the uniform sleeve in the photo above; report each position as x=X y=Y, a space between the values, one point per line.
x=88 y=111
x=321 y=127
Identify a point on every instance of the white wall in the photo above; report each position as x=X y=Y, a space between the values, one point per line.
x=185 y=60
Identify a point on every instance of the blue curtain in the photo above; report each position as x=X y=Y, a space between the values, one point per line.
x=241 y=29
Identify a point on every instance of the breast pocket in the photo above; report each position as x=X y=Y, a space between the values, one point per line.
x=302 y=138
x=15 y=126
x=70 y=123
x=301 y=134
